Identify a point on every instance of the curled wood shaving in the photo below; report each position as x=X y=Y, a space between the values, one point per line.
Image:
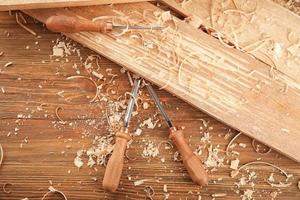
x=257 y=150
x=5 y=188
x=149 y=192
x=1 y=53
x=129 y=158
x=23 y=26
x=299 y=184
x=1 y=154
x=166 y=143
x=84 y=77
x=280 y=184
x=53 y=190
x=260 y=43
x=239 y=12
x=57 y=115
x=8 y=64
x=231 y=141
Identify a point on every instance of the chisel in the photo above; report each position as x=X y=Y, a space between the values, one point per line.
x=191 y=162
x=67 y=24
x=115 y=164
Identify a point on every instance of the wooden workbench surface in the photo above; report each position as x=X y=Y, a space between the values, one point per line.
x=43 y=151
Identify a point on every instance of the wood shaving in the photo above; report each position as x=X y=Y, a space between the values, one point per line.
x=57 y=115
x=53 y=190
x=4 y=188
x=138 y=132
x=299 y=184
x=149 y=192
x=214 y=159
x=231 y=141
x=87 y=78
x=168 y=144
x=260 y=43
x=150 y=150
x=256 y=149
x=280 y=184
x=247 y=195
x=149 y=123
x=219 y=195
x=97 y=75
x=140 y=182
x=1 y=154
x=234 y=164
x=129 y=78
x=23 y=26
x=129 y=158
x=1 y=53
x=8 y=64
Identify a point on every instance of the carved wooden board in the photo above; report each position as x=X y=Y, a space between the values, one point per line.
x=232 y=86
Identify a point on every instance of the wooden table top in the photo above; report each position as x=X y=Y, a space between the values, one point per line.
x=42 y=152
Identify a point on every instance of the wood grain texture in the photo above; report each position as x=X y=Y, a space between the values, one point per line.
x=230 y=85
x=276 y=27
x=6 y=5
x=45 y=156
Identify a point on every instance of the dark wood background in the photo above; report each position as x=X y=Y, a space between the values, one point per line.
x=34 y=80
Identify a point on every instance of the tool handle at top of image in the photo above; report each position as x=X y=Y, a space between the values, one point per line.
x=191 y=162
x=68 y=24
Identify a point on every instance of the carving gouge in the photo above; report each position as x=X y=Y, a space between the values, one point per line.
x=114 y=166
x=67 y=24
x=191 y=162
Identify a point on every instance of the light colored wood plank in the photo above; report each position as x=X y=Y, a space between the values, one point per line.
x=232 y=86
x=261 y=19
x=6 y=5
x=29 y=168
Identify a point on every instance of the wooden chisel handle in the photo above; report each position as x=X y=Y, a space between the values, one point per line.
x=191 y=162
x=67 y=24
x=115 y=164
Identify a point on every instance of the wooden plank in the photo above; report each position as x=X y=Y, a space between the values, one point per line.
x=277 y=29
x=226 y=83
x=45 y=157
x=6 y=5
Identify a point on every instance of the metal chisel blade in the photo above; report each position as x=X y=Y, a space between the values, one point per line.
x=138 y=27
x=158 y=104
x=134 y=95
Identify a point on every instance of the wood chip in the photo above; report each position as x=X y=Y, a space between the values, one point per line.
x=140 y=182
